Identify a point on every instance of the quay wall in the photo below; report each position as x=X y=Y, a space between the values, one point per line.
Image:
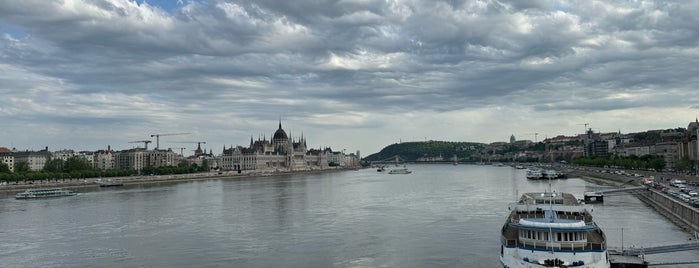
x=683 y=214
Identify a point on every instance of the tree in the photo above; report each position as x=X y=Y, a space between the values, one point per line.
x=683 y=164
x=4 y=168
x=22 y=166
x=54 y=166
x=205 y=165
x=76 y=164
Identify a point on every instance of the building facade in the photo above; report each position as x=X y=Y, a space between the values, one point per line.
x=35 y=159
x=138 y=158
x=9 y=160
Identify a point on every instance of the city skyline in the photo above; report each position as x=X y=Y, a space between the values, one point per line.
x=350 y=75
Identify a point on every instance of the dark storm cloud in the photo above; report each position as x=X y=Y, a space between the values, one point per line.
x=342 y=64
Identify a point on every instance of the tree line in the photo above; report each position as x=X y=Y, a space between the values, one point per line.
x=79 y=168
x=627 y=162
x=411 y=151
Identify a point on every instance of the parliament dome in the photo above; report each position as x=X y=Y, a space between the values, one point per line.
x=280 y=134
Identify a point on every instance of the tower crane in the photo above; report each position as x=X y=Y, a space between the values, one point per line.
x=198 y=151
x=145 y=143
x=157 y=137
x=586 y=124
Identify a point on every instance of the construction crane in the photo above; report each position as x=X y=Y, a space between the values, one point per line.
x=145 y=143
x=157 y=137
x=198 y=151
x=586 y=124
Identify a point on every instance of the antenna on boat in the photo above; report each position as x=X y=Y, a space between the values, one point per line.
x=552 y=214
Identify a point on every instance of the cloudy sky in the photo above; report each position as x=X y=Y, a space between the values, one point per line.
x=349 y=74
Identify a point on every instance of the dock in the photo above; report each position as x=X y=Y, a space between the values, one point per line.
x=598 y=196
x=620 y=261
x=656 y=249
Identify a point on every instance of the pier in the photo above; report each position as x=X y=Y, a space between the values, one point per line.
x=598 y=196
x=635 y=257
x=634 y=251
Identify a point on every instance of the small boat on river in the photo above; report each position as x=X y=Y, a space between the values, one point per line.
x=44 y=193
x=534 y=174
x=400 y=171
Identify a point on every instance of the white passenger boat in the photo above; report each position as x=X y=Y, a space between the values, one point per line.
x=549 y=174
x=534 y=174
x=551 y=230
x=44 y=193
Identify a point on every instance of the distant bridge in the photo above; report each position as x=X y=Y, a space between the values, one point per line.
x=396 y=159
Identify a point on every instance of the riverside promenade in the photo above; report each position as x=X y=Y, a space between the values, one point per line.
x=606 y=176
x=152 y=179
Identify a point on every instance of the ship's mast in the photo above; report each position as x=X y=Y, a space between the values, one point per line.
x=552 y=215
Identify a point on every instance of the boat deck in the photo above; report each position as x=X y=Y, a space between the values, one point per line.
x=580 y=216
x=595 y=240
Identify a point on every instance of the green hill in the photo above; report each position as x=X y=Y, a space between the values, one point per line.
x=412 y=151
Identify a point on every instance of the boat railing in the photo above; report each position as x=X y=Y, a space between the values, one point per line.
x=586 y=217
x=545 y=245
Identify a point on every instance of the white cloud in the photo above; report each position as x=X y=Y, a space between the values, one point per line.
x=349 y=74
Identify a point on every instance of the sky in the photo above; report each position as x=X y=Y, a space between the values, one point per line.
x=346 y=74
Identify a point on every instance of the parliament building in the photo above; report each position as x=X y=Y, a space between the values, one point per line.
x=278 y=154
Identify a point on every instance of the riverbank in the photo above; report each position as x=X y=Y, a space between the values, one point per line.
x=606 y=179
x=672 y=209
x=153 y=179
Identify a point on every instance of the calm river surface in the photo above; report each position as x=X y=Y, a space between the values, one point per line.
x=439 y=216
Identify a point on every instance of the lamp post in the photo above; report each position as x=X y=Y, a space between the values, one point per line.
x=696 y=155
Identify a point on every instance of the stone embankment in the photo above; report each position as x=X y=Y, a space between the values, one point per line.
x=132 y=180
x=680 y=213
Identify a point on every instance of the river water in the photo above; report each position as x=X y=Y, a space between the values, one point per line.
x=438 y=216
